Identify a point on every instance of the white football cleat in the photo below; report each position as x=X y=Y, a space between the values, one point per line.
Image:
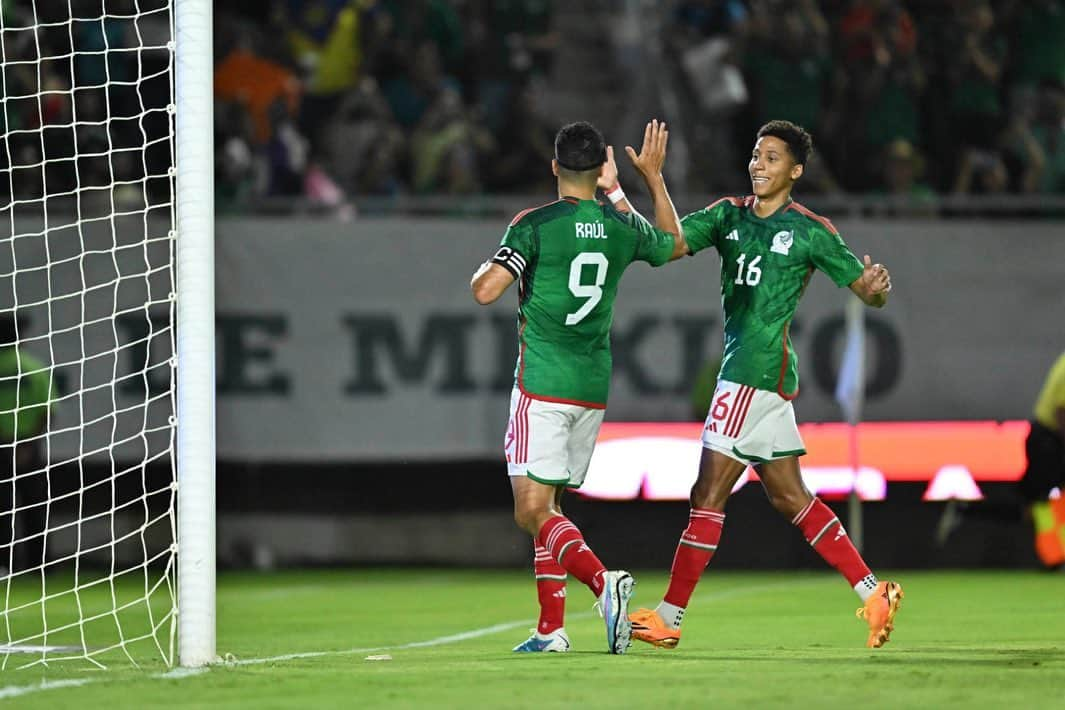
x=614 y=606
x=555 y=642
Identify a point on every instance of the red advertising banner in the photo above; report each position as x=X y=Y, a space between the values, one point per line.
x=658 y=461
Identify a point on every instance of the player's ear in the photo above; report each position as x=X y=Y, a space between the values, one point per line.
x=554 y=167
x=796 y=171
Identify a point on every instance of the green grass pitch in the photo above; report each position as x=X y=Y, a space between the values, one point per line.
x=301 y=639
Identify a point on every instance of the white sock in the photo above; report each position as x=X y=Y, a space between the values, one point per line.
x=866 y=586
x=670 y=614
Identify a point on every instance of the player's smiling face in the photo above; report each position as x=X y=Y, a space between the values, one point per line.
x=772 y=167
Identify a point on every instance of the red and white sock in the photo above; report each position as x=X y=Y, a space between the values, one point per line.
x=824 y=532
x=567 y=547
x=697 y=545
x=550 y=589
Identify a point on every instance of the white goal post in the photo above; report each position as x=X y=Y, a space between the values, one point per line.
x=107 y=411
x=195 y=333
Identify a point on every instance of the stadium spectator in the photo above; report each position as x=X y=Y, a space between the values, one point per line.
x=447 y=138
x=363 y=146
x=768 y=246
x=1048 y=135
x=981 y=172
x=563 y=373
x=979 y=58
x=884 y=84
x=902 y=169
x=698 y=20
x=267 y=90
x=26 y=393
x=1038 y=50
x=324 y=40
x=787 y=62
x=524 y=138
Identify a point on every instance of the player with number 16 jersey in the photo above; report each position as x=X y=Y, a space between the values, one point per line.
x=777 y=254
x=769 y=247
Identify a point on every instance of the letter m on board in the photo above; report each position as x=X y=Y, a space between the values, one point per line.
x=380 y=346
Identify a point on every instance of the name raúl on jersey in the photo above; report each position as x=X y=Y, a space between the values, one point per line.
x=590 y=230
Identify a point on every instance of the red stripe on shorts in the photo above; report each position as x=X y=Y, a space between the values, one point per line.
x=732 y=412
x=743 y=405
x=523 y=418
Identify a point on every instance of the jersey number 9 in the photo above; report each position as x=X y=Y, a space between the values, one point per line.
x=593 y=292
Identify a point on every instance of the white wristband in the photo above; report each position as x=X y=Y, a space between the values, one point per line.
x=615 y=194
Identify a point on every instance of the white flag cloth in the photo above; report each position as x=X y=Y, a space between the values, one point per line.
x=850 y=388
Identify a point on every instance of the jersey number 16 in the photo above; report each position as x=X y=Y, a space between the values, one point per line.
x=753 y=275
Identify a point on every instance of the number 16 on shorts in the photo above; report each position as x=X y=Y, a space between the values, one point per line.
x=751 y=425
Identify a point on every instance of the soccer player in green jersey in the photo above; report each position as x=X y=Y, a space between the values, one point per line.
x=769 y=246
x=567 y=258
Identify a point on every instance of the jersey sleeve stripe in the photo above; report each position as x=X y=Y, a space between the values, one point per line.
x=823 y=221
x=736 y=202
x=521 y=215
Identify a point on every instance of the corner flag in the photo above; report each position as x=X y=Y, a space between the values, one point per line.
x=850 y=393
x=850 y=388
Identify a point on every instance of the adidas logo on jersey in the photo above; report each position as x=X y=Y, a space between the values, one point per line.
x=590 y=230
x=733 y=236
x=782 y=242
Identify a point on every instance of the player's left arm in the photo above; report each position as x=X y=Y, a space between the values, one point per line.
x=829 y=253
x=873 y=285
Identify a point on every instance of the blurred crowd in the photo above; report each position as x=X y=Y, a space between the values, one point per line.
x=324 y=101
x=907 y=98
x=439 y=96
x=85 y=101
x=330 y=98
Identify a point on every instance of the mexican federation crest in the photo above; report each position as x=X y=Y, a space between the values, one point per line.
x=782 y=242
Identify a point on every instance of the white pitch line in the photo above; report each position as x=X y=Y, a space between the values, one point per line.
x=13 y=691
x=506 y=626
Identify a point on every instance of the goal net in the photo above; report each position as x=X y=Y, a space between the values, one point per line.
x=88 y=408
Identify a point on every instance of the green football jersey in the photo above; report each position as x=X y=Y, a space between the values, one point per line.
x=765 y=265
x=568 y=257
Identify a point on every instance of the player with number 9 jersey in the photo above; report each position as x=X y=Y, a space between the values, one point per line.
x=568 y=258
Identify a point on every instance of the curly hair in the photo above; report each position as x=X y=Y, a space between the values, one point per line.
x=800 y=143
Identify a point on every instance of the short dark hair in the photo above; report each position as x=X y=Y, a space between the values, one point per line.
x=580 y=147
x=800 y=143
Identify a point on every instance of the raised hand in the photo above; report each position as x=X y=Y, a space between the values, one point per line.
x=608 y=175
x=875 y=278
x=653 y=152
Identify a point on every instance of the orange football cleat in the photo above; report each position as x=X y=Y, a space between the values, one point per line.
x=648 y=626
x=879 y=610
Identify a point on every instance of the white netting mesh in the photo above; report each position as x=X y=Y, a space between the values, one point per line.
x=86 y=282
